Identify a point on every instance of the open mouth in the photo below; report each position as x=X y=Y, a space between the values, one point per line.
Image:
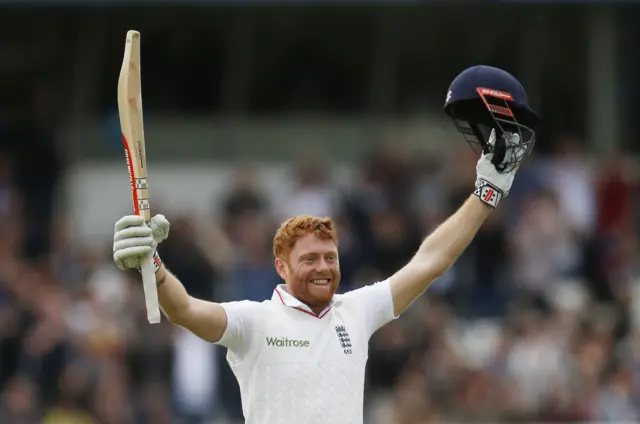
x=321 y=281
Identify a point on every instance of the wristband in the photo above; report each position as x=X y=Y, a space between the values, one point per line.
x=164 y=277
x=488 y=193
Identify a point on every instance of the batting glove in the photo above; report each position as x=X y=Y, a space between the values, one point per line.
x=491 y=184
x=133 y=239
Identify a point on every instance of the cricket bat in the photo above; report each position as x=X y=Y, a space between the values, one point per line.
x=130 y=111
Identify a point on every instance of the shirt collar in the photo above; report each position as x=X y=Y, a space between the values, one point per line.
x=280 y=294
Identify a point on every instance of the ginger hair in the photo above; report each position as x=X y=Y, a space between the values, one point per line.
x=294 y=228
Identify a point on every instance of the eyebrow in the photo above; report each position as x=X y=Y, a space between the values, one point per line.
x=330 y=252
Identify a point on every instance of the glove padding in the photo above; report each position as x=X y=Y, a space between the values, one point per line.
x=491 y=184
x=133 y=239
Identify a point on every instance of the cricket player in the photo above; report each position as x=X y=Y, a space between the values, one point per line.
x=300 y=356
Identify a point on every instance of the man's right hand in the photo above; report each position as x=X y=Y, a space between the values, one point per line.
x=133 y=239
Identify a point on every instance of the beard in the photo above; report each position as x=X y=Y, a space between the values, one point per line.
x=312 y=294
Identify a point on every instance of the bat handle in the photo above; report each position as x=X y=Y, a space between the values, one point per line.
x=150 y=291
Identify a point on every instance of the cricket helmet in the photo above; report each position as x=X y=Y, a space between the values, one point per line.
x=490 y=108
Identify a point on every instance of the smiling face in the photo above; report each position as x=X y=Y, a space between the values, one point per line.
x=307 y=260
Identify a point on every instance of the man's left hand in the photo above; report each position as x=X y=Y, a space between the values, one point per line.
x=491 y=184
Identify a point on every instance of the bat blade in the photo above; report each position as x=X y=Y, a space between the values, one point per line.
x=131 y=123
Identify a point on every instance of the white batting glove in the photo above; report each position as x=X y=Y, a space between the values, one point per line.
x=159 y=228
x=492 y=185
x=133 y=239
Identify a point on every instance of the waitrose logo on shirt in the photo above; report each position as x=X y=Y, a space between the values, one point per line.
x=286 y=342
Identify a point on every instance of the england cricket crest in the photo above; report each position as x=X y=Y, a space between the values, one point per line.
x=343 y=338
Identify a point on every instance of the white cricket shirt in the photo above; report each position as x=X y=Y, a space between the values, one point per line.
x=295 y=367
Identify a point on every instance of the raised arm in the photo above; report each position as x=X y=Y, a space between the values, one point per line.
x=134 y=239
x=438 y=252
x=206 y=320
x=443 y=247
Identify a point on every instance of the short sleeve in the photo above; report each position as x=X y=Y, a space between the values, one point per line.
x=372 y=305
x=239 y=335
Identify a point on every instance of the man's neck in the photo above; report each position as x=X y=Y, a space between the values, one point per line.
x=315 y=309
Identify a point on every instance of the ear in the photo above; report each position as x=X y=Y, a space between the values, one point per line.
x=281 y=268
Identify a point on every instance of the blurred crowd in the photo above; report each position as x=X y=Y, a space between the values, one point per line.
x=538 y=320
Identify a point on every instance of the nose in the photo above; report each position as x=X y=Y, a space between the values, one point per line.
x=322 y=265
